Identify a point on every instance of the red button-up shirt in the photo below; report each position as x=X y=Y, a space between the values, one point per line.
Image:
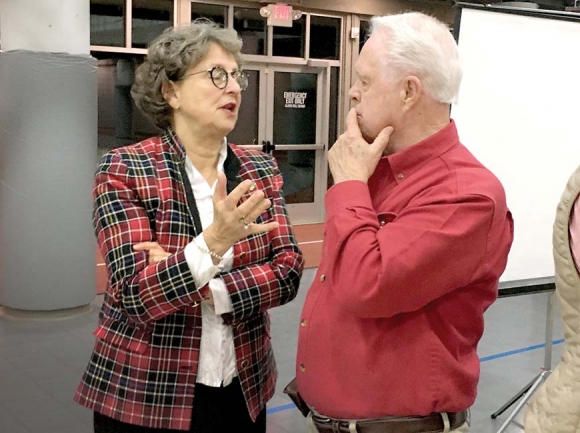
x=410 y=263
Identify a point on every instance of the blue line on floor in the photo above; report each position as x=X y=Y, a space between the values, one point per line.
x=484 y=359
x=515 y=352
x=280 y=408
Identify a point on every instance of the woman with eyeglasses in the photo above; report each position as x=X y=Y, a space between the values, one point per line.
x=198 y=248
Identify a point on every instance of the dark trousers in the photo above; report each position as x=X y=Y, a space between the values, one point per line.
x=216 y=410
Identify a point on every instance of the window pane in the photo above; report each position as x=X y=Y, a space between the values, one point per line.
x=252 y=29
x=324 y=37
x=106 y=120
x=246 y=130
x=333 y=111
x=108 y=23
x=289 y=41
x=365 y=27
x=297 y=169
x=295 y=123
x=150 y=19
x=295 y=108
x=218 y=14
x=119 y=121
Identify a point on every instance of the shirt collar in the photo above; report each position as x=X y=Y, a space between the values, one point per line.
x=409 y=160
x=171 y=138
x=231 y=163
x=198 y=183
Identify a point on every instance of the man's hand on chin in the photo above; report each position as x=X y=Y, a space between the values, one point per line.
x=352 y=157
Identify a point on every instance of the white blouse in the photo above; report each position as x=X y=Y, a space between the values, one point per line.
x=217 y=358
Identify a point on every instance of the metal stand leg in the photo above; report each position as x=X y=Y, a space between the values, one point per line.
x=531 y=387
x=514 y=398
x=535 y=385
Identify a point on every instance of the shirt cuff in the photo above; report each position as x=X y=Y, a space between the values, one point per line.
x=200 y=263
x=221 y=298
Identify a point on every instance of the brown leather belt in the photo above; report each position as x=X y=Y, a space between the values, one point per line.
x=421 y=424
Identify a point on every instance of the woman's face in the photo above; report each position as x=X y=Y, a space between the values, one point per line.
x=200 y=105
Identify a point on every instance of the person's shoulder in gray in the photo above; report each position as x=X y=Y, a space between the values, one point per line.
x=198 y=247
x=417 y=234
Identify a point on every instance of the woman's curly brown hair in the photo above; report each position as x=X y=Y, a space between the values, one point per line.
x=170 y=56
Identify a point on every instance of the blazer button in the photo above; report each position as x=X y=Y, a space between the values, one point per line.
x=242 y=256
x=303 y=323
x=240 y=326
x=322 y=278
x=244 y=363
x=302 y=368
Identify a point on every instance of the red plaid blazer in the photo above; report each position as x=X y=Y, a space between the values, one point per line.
x=144 y=363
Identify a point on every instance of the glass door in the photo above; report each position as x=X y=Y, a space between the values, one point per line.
x=283 y=113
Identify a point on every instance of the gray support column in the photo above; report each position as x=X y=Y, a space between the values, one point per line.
x=48 y=147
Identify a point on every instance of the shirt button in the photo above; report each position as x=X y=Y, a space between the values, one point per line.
x=195 y=304
x=302 y=368
x=240 y=326
x=242 y=256
x=400 y=175
x=244 y=363
x=303 y=323
x=322 y=278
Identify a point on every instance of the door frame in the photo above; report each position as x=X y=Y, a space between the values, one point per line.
x=300 y=213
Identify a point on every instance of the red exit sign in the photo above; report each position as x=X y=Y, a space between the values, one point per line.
x=282 y=12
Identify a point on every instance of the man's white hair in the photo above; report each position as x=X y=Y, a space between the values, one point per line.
x=420 y=45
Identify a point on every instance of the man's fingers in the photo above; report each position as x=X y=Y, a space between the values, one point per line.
x=352 y=122
x=382 y=140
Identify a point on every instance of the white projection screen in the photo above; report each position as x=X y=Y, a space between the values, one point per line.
x=519 y=113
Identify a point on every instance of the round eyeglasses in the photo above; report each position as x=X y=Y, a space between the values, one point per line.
x=219 y=77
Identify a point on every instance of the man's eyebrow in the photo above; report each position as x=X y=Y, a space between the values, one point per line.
x=361 y=72
x=362 y=75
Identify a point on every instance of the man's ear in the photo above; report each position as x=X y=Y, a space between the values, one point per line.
x=170 y=94
x=412 y=91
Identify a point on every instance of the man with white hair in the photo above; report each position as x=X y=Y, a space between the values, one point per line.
x=417 y=234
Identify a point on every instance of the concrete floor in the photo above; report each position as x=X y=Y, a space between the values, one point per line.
x=41 y=362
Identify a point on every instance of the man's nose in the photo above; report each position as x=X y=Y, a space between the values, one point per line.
x=353 y=93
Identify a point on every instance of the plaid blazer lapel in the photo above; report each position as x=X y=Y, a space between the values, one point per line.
x=232 y=168
x=178 y=152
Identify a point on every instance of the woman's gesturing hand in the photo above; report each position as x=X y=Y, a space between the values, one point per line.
x=232 y=222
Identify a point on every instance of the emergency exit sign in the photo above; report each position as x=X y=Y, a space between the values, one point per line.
x=282 y=12
x=281 y=15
